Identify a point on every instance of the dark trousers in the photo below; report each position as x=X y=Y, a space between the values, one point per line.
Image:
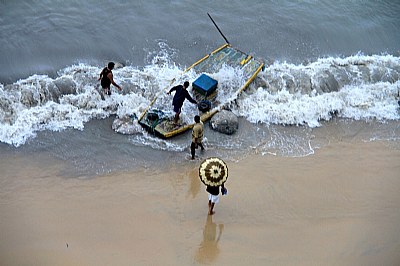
x=193 y=148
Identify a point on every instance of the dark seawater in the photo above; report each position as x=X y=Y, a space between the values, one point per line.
x=333 y=71
x=44 y=36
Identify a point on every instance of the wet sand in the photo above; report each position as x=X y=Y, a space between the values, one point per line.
x=339 y=206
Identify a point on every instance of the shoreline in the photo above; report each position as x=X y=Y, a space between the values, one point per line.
x=336 y=207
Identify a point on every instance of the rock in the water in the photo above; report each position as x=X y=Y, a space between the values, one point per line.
x=225 y=122
x=126 y=125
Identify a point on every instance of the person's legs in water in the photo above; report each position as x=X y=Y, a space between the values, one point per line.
x=177 y=111
x=193 y=149
x=107 y=91
x=201 y=145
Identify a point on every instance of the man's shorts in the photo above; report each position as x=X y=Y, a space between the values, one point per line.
x=213 y=198
x=177 y=109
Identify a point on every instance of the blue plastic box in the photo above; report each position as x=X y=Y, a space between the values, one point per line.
x=205 y=85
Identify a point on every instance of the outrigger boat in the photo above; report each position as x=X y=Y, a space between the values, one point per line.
x=156 y=121
x=207 y=91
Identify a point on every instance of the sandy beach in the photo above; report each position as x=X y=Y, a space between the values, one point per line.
x=314 y=158
x=339 y=206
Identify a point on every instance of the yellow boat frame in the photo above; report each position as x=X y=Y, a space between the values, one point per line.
x=207 y=115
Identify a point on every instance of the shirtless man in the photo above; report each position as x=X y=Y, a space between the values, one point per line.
x=106 y=77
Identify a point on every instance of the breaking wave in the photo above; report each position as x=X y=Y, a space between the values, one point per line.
x=357 y=87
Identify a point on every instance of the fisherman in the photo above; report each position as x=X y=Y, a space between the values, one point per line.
x=197 y=136
x=180 y=95
x=106 y=77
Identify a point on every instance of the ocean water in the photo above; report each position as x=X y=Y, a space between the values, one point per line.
x=332 y=73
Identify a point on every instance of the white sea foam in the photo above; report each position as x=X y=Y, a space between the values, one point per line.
x=358 y=87
x=20 y=121
x=372 y=101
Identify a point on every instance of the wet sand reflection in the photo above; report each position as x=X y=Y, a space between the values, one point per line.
x=208 y=250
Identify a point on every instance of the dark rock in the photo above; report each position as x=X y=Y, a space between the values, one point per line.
x=126 y=125
x=225 y=122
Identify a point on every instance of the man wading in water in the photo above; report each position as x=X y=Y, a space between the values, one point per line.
x=180 y=96
x=106 y=77
x=197 y=136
